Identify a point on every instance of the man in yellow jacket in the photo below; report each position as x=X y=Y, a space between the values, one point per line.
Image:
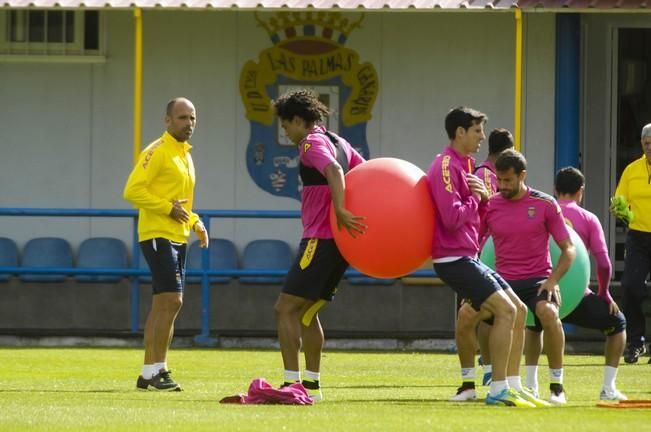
x=635 y=188
x=161 y=186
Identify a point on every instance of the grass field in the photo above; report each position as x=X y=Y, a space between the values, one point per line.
x=94 y=389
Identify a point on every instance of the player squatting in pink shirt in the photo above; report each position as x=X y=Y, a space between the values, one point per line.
x=318 y=152
x=523 y=253
x=588 y=227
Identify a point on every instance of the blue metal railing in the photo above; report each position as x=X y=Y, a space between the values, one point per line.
x=206 y=215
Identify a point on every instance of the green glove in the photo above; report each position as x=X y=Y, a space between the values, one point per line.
x=621 y=209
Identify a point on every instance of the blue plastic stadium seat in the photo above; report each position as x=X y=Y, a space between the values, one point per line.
x=222 y=256
x=102 y=252
x=366 y=280
x=46 y=252
x=8 y=256
x=430 y=281
x=266 y=255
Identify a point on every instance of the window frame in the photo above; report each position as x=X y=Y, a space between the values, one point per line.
x=62 y=52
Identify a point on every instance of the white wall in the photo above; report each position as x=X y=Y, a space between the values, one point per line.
x=538 y=99
x=68 y=128
x=430 y=63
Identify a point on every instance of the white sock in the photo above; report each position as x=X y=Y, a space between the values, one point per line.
x=292 y=376
x=610 y=374
x=531 y=377
x=556 y=376
x=312 y=376
x=468 y=374
x=514 y=382
x=496 y=387
x=148 y=371
x=487 y=369
x=160 y=366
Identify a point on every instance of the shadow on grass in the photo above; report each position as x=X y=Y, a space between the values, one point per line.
x=394 y=401
x=61 y=391
x=578 y=365
x=388 y=386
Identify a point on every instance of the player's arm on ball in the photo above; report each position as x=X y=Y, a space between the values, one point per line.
x=568 y=253
x=337 y=184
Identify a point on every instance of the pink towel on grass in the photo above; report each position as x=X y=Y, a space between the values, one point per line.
x=261 y=392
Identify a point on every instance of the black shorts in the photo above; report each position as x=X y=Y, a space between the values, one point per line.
x=471 y=279
x=592 y=313
x=527 y=291
x=166 y=261
x=317 y=270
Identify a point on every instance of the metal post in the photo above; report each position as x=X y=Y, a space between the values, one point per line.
x=204 y=338
x=135 y=281
x=517 y=121
x=568 y=70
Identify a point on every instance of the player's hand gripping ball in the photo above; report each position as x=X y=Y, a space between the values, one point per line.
x=572 y=284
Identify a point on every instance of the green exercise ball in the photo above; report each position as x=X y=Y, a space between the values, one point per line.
x=572 y=284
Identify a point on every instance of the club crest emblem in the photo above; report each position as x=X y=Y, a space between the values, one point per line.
x=308 y=51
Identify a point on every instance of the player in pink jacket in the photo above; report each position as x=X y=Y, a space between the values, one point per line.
x=499 y=140
x=460 y=198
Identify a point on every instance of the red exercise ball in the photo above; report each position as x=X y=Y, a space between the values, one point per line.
x=393 y=195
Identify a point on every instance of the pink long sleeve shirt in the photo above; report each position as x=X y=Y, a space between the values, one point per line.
x=588 y=227
x=458 y=211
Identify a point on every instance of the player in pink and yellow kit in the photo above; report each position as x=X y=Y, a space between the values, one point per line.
x=595 y=311
x=499 y=140
x=313 y=278
x=460 y=198
x=520 y=220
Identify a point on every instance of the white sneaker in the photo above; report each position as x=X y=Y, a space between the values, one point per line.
x=558 y=398
x=464 y=395
x=612 y=395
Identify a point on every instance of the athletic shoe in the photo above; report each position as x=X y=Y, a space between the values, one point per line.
x=464 y=394
x=313 y=389
x=634 y=352
x=162 y=381
x=557 y=394
x=508 y=397
x=530 y=396
x=487 y=379
x=142 y=383
x=534 y=392
x=612 y=395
